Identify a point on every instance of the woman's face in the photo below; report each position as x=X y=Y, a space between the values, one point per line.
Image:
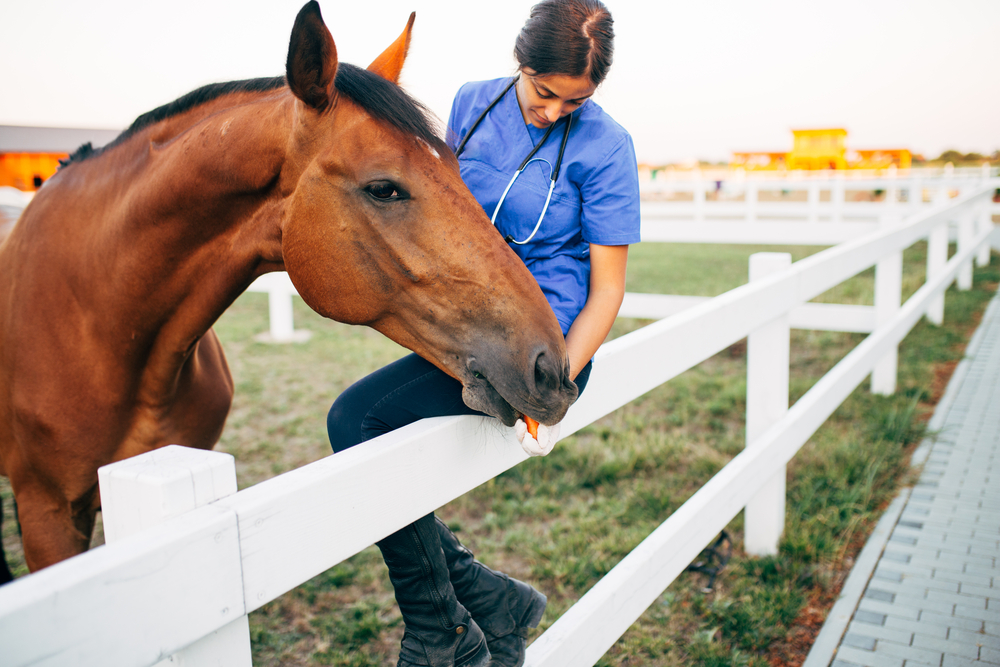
x=546 y=99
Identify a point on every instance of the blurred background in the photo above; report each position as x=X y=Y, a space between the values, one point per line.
x=691 y=80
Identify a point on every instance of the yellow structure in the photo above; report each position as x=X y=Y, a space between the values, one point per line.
x=821 y=149
x=818 y=149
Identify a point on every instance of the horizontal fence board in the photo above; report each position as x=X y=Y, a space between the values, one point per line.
x=588 y=629
x=129 y=603
x=814 y=316
x=301 y=523
x=762 y=232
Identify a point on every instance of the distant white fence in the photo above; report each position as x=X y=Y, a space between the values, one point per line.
x=834 y=208
x=185 y=585
x=820 y=220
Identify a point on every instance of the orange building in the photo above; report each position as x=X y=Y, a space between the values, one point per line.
x=821 y=149
x=30 y=155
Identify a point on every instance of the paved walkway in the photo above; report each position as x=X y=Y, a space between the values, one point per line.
x=926 y=588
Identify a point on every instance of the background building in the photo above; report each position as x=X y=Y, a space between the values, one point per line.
x=822 y=149
x=30 y=155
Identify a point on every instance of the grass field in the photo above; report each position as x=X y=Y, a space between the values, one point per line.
x=563 y=521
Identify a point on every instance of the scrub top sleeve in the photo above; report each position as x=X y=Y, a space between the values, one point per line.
x=610 y=197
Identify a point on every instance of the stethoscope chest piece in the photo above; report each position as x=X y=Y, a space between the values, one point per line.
x=554 y=172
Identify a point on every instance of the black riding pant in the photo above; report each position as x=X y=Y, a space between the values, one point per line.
x=401 y=393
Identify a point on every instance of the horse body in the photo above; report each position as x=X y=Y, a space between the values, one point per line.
x=113 y=276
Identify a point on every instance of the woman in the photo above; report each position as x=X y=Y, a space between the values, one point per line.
x=457 y=611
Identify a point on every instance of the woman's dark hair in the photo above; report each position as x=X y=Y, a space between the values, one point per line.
x=568 y=37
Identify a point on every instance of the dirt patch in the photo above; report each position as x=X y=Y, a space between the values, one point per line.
x=794 y=649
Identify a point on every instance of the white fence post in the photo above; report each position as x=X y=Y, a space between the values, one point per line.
x=767 y=403
x=888 y=298
x=937 y=257
x=699 y=197
x=966 y=233
x=751 y=197
x=983 y=222
x=279 y=305
x=280 y=290
x=837 y=198
x=915 y=196
x=813 y=215
x=148 y=489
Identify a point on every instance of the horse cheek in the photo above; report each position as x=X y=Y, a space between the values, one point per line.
x=344 y=282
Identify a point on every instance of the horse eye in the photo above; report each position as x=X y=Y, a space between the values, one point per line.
x=383 y=190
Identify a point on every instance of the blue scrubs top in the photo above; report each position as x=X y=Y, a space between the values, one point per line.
x=596 y=198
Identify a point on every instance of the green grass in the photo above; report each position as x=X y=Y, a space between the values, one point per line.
x=563 y=521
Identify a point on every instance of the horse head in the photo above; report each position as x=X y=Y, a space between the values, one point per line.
x=379 y=229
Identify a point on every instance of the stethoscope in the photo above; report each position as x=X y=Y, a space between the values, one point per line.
x=530 y=158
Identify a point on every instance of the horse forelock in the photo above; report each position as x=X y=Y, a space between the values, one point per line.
x=382 y=99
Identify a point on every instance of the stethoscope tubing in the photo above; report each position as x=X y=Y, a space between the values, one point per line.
x=524 y=163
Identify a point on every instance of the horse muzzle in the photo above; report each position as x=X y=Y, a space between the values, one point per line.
x=540 y=387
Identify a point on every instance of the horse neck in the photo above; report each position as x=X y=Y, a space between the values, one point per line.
x=191 y=211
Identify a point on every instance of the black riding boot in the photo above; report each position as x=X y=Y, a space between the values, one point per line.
x=439 y=631
x=504 y=608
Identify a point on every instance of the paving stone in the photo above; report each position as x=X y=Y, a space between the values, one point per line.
x=979 y=591
x=973 y=612
x=931 y=583
x=989 y=655
x=974 y=639
x=924 y=604
x=864 y=642
x=869 y=618
x=950 y=621
x=956 y=598
x=868 y=658
x=896 y=557
x=947 y=646
x=895 y=650
x=963 y=577
x=898 y=635
x=958 y=661
x=881 y=595
x=910 y=625
x=989 y=551
x=985 y=570
x=889 y=609
x=843 y=663
x=911 y=524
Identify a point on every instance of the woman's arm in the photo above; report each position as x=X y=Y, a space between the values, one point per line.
x=607 y=289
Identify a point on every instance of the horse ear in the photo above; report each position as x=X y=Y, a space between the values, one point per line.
x=311 y=67
x=390 y=63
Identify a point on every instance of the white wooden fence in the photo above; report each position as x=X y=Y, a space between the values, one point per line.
x=180 y=590
x=681 y=210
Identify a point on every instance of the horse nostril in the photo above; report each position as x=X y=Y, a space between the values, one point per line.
x=547 y=376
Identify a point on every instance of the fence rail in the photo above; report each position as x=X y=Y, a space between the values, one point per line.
x=164 y=589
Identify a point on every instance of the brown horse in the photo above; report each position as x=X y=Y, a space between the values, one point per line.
x=116 y=271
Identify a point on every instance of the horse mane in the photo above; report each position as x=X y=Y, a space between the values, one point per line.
x=382 y=99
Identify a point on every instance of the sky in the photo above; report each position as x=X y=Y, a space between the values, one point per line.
x=692 y=79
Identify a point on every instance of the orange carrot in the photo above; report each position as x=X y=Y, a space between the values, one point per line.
x=532 y=426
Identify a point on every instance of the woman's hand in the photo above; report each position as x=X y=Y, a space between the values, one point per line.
x=607 y=289
x=546 y=440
